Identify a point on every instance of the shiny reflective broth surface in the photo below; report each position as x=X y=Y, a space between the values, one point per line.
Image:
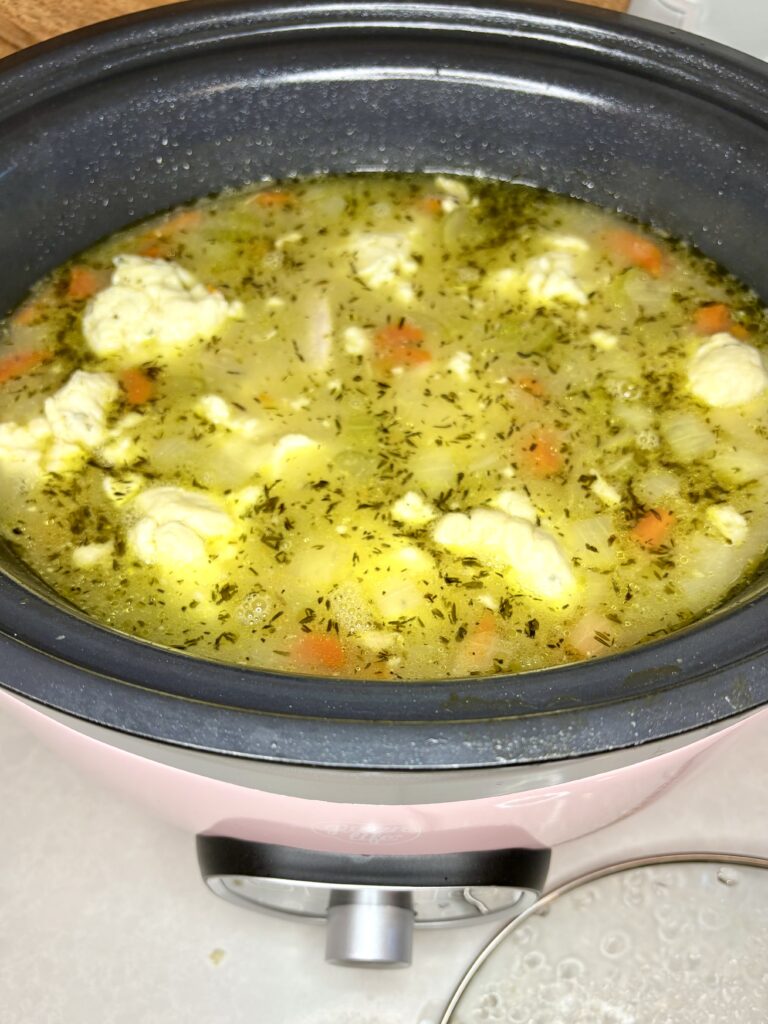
x=388 y=427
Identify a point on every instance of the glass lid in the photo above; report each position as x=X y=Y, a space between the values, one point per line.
x=678 y=941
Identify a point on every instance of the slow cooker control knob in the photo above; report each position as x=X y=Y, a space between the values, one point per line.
x=369 y=928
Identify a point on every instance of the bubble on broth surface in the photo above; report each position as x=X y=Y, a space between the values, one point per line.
x=255 y=608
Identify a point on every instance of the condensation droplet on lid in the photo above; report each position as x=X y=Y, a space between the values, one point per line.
x=615 y=944
x=674 y=969
x=665 y=913
x=633 y=898
x=669 y=932
x=541 y=1018
x=534 y=960
x=584 y=898
x=711 y=919
x=677 y=964
x=569 y=968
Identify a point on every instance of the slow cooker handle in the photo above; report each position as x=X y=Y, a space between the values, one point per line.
x=371 y=902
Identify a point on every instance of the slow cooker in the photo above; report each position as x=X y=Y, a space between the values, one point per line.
x=380 y=805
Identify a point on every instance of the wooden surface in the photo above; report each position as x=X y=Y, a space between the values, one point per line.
x=24 y=22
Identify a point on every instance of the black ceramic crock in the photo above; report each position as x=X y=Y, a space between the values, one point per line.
x=128 y=118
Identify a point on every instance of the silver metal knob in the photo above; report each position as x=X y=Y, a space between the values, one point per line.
x=369 y=928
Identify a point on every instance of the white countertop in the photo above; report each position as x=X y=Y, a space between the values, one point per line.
x=104 y=918
x=742 y=24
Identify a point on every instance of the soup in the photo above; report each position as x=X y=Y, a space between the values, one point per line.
x=388 y=426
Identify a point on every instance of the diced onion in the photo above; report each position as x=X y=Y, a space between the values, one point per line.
x=358 y=465
x=655 y=485
x=688 y=436
x=398 y=597
x=592 y=636
x=739 y=467
x=434 y=471
x=714 y=567
x=586 y=534
x=650 y=293
x=462 y=229
x=633 y=415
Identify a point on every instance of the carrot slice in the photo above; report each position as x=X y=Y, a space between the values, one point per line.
x=400 y=345
x=738 y=331
x=83 y=282
x=15 y=364
x=403 y=333
x=481 y=643
x=27 y=314
x=541 y=456
x=274 y=198
x=317 y=651
x=181 y=221
x=715 y=317
x=475 y=653
x=157 y=241
x=155 y=250
x=531 y=385
x=635 y=250
x=412 y=355
x=652 y=530
x=138 y=387
x=432 y=205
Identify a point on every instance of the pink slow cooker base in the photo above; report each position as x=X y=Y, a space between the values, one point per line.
x=546 y=817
